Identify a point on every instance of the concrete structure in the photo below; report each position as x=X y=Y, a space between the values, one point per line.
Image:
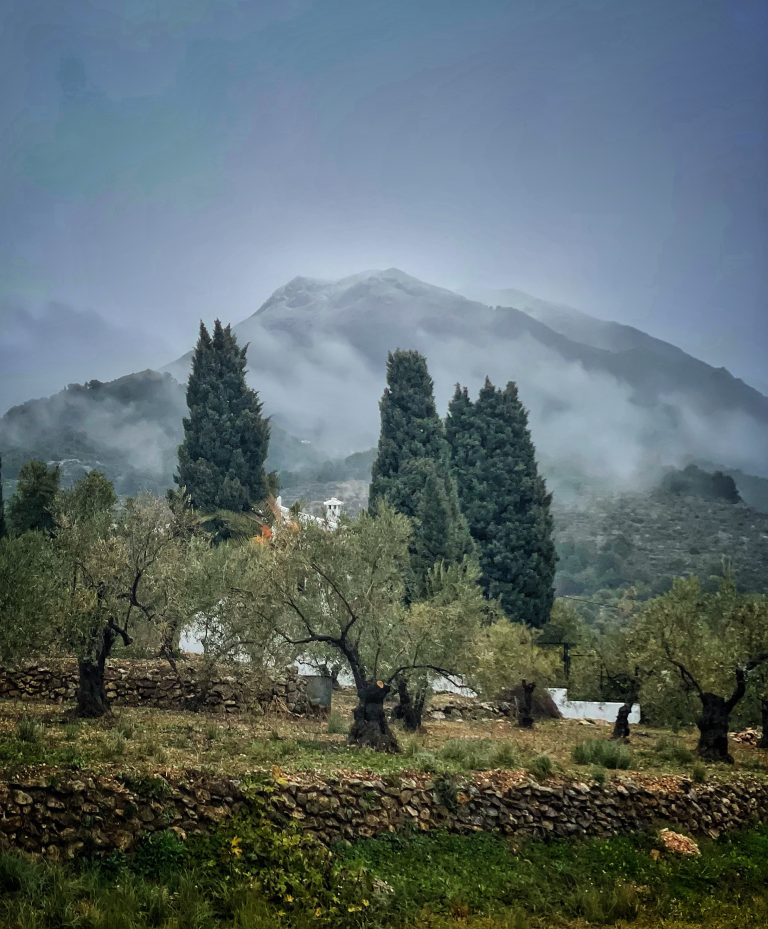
x=589 y=709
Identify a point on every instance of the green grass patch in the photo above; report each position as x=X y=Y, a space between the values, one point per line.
x=602 y=752
x=250 y=874
x=672 y=749
x=541 y=767
x=484 y=880
x=337 y=725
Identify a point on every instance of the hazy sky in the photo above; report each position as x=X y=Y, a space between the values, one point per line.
x=166 y=160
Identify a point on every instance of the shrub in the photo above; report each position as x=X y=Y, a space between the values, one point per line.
x=447 y=791
x=336 y=724
x=285 y=869
x=605 y=753
x=671 y=749
x=429 y=763
x=479 y=754
x=29 y=730
x=699 y=773
x=505 y=755
x=158 y=854
x=542 y=767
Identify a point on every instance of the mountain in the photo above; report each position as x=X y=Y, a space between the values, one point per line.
x=610 y=406
x=575 y=324
x=646 y=357
x=130 y=428
x=609 y=401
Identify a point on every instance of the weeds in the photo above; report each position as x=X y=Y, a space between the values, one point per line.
x=670 y=748
x=607 y=754
x=698 y=773
x=541 y=767
x=125 y=728
x=114 y=747
x=29 y=730
x=336 y=724
x=480 y=754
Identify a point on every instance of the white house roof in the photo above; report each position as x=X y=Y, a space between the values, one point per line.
x=332 y=502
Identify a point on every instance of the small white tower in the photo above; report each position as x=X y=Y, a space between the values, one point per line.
x=332 y=510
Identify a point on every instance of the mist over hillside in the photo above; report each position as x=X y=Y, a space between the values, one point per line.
x=610 y=406
x=610 y=401
x=129 y=428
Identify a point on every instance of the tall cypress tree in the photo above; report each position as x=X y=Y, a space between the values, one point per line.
x=412 y=470
x=226 y=437
x=504 y=500
x=3 y=527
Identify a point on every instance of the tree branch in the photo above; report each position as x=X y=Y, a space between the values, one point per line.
x=352 y=615
x=449 y=675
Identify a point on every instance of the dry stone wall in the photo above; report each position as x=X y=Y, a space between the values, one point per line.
x=225 y=688
x=64 y=815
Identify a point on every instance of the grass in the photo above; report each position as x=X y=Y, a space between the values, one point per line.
x=337 y=725
x=603 y=753
x=247 y=875
x=673 y=749
x=541 y=767
x=150 y=740
x=484 y=881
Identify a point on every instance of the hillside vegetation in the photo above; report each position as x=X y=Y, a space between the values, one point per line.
x=647 y=539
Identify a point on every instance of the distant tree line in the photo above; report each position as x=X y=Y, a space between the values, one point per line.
x=695 y=482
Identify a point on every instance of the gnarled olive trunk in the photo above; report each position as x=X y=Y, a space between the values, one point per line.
x=621 y=726
x=716 y=711
x=410 y=709
x=92 y=699
x=370 y=728
x=525 y=717
x=713 y=728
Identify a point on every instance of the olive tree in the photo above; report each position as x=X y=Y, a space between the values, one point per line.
x=123 y=569
x=711 y=641
x=344 y=590
x=32 y=597
x=507 y=659
x=209 y=608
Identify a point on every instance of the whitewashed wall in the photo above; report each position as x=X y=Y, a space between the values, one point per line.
x=589 y=709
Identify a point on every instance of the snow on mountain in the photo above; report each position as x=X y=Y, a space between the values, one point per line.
x=607 y=399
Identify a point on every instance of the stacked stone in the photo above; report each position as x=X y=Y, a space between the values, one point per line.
x=231 y=689
x=355 y=808
x=442 y=707
x=65 y=815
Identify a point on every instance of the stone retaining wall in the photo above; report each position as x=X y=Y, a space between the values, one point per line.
x=133 y=682
x=66 y=814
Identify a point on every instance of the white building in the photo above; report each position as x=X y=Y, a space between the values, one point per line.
x=330 y=520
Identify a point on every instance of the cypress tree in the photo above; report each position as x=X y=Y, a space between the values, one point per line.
x=412 y=470
x=504 y=499
x=226 y=437
x=33 y=506
x=3 y=527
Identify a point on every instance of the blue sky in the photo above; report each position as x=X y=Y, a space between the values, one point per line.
x=167 y=161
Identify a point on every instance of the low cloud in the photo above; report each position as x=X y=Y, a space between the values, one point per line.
x=44 y=348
